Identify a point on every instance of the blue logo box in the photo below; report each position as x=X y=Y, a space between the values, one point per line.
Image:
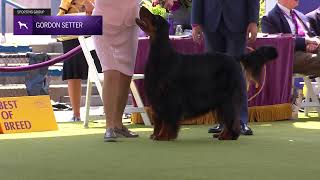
x=57 y=25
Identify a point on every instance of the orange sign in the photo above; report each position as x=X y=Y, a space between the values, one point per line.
x=26 y=114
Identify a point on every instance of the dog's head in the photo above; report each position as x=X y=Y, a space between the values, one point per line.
x=152 y=25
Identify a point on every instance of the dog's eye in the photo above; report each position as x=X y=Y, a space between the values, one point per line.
x=155 y=20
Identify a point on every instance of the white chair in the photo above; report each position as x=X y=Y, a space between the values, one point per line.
x=311 y=100
x=97 y=78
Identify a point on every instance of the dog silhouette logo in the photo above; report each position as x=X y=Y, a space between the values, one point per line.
x=22 y=25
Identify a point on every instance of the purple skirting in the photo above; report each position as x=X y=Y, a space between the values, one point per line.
x=278 y=82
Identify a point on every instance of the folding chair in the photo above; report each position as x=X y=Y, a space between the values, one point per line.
x=97 y=78
x=311 y=99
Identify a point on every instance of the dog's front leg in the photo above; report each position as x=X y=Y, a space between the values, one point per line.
x=225 y=135
x=169 y=131
x=157 y=125
x=229 y=134
x=164 y=134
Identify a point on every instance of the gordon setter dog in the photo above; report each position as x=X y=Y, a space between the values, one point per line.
x=182 y=86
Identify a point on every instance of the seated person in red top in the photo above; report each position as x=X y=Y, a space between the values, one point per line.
x=283 y=18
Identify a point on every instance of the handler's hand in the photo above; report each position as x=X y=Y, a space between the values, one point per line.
x=197 y=34
x=165 y=3
x=168 y=4
x=312 y=48
x=89 y=5
x=155 y=2
x=252 y=32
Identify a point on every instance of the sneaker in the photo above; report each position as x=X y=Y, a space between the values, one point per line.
x=125 y=132
x=110 y=135
x=75 y=119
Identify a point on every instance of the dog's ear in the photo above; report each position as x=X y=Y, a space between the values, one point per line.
x=142 y=24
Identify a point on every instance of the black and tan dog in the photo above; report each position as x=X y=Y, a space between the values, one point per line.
x=182 y=86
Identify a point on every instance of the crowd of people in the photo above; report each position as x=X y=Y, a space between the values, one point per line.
x=283 y=18
x=211 y=20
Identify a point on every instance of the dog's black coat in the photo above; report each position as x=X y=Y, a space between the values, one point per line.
x=182 y=86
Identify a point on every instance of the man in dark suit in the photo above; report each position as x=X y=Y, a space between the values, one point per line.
x=283 y=18
x=226 y=26
x=314 y=19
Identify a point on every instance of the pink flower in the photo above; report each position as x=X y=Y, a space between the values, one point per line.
x=176 y=6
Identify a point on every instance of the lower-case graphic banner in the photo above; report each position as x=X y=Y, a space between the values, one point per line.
x=57 y=25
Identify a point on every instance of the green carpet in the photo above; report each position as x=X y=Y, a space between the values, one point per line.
x=285 y=150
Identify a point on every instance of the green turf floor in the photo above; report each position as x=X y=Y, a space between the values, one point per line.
x=286 y=150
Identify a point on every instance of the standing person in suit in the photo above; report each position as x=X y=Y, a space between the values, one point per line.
x=226 y=26
x=314 y=19
x=117 y=49
x=283 y=18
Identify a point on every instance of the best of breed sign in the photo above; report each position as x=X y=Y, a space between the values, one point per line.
x=26 y=114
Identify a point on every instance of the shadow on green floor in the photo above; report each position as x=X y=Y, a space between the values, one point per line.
x=278 y=150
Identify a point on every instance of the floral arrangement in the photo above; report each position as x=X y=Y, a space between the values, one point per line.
x=157 y=10
x=177 y=4
x=184 y=3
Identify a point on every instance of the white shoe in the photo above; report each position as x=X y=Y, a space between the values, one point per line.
x=110 y=135
x=295 y=112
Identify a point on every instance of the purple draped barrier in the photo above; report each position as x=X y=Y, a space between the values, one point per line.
x=278 y=81
x=277 y=89
x=50 y=62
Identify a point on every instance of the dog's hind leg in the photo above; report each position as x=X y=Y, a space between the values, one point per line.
x=174 y=130
x=228 y=115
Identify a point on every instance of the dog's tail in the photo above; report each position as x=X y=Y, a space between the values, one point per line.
x=254 y=61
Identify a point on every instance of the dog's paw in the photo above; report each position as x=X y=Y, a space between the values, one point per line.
x=216 y=135
x=225 y=135
x=161 y=138
x=173 y=135
x=223 y=138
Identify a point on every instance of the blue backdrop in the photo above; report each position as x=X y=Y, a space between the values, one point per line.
x=55 y=7
x=306 y=6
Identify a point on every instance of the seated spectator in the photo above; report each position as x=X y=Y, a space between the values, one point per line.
x=283 y=18
x=314 y=19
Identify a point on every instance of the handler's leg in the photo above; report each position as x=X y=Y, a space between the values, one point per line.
x=236 y=45
x=115 y=95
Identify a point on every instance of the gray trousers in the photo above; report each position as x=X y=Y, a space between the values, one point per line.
x=306 y=63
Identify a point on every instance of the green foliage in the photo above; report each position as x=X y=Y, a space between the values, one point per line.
x=262 y=11
x=157 y=10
